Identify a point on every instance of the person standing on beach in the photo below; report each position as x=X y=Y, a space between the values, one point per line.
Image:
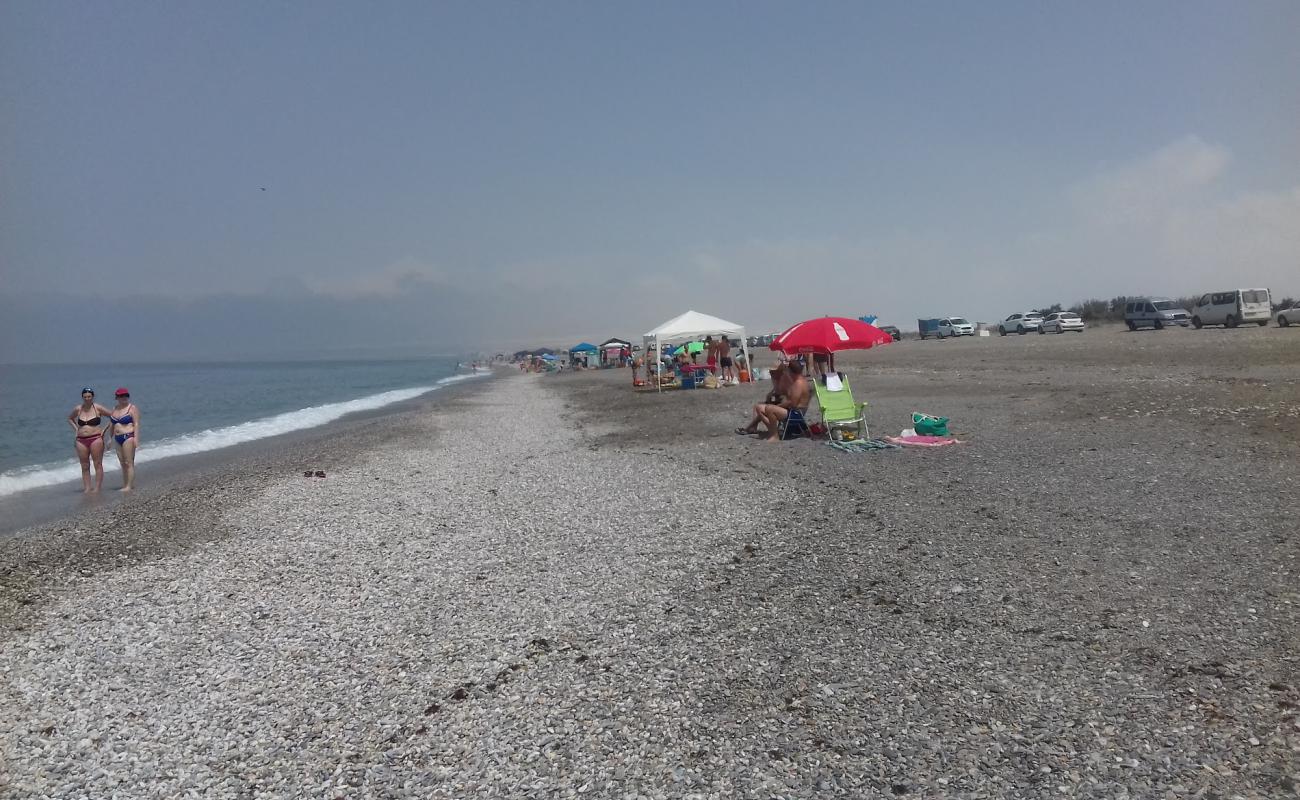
x=724 y=360
x=84 y=420
x=126 y=432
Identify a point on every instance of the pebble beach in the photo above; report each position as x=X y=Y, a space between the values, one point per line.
x=553 y=586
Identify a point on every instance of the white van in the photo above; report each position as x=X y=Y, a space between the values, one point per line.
x=1230 y=309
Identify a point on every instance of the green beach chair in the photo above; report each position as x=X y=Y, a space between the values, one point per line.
x=840 y=413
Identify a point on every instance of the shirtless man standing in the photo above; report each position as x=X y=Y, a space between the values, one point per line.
x=724 y=360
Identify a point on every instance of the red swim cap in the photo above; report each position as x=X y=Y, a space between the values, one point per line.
x=121 y=392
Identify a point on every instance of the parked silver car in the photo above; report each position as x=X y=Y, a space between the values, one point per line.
x=1155 y=312
x=1288 y=315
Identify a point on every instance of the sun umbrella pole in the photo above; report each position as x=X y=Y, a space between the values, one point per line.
x=659 y=365
x=744 y=348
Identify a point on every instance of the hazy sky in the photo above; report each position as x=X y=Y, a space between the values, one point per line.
x=440 y=175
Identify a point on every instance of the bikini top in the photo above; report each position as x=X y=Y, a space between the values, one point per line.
x=89 y=423
x=125 y=419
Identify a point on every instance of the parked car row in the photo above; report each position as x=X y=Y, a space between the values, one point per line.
x=1021 y=322
x=945 y=327
x=1229 y=309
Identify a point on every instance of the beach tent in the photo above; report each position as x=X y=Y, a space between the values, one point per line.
x=581 y=353
x=611 y=350
x=692 y=326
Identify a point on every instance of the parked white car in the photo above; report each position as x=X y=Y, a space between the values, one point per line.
x=1288 y=315
x=1060 y=322
x=1021 y=322
x=1232 y=308
x=955 y=326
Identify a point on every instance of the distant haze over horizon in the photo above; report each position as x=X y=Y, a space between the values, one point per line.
x=243 y=180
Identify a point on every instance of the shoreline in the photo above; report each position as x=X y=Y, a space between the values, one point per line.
x=26 y=511
x=171 y=516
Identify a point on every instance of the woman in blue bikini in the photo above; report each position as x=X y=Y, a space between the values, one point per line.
x=126 y=432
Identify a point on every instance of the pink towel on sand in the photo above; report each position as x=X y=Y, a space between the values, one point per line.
x=922 y=441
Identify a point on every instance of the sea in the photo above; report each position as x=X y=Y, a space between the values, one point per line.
x=189 y=408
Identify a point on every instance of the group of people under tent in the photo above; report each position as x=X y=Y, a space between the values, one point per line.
x=718 y=361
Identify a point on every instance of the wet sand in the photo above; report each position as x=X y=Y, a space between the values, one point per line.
x=24 y=512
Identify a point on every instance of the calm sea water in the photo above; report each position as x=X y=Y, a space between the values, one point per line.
x=191 y=408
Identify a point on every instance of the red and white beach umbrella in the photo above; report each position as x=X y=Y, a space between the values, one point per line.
x=829 y=335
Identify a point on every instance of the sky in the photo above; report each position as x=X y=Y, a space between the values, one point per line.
x=256 y=180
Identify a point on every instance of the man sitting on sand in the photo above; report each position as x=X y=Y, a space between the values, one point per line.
x=790 y=392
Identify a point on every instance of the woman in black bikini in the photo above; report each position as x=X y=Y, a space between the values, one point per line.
x=126 y=432
x=84 y=420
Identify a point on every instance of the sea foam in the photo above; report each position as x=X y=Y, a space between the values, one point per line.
x=32 y=477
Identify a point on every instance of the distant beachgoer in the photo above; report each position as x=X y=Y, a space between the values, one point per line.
x=823 y=364
x=724 y=360
x=84 y=420
x=126 y=432
x=793 y=394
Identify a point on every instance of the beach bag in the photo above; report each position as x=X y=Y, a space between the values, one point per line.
x=927 y=425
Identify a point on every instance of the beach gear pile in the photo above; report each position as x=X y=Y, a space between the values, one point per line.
x=927 y=431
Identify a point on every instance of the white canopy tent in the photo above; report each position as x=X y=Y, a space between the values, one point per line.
x=689 y=327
